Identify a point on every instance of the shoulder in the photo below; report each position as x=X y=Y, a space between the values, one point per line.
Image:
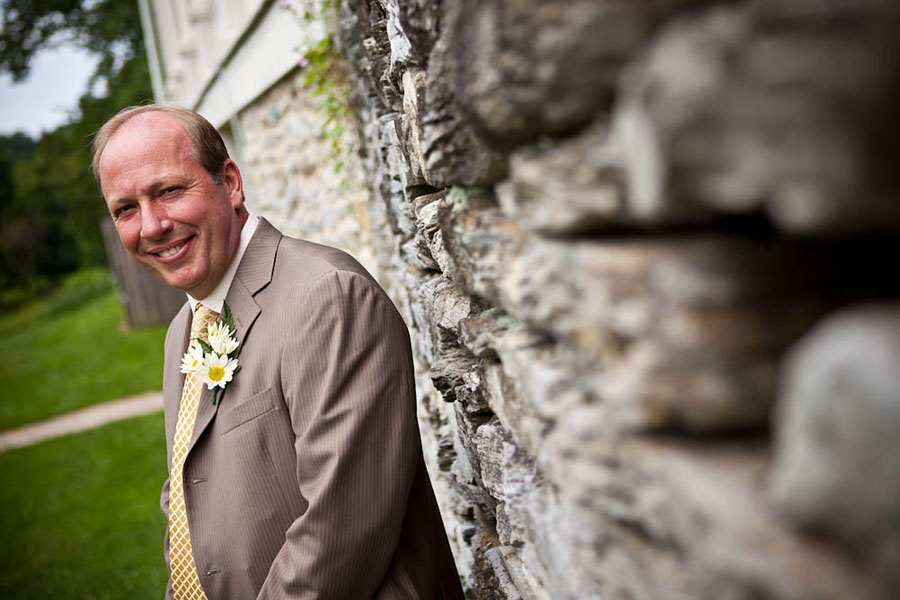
x=275 y=260
x=313 y=277
x=307 y=262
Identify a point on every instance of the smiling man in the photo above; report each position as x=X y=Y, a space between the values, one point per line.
x=303 y=477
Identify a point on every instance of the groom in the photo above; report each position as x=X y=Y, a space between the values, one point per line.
x=305 y=477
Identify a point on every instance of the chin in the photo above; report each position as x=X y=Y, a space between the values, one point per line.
x=184 y=284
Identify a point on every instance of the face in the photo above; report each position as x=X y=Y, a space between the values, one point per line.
x=171 y=216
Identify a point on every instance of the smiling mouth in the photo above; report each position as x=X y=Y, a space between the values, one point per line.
x=171 y=251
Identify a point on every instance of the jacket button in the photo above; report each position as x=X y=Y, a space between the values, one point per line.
x=197 y=480
x=212 y=572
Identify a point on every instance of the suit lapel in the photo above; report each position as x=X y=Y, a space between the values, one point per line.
x=173 y=378
x=253 y=274
x=245 y=311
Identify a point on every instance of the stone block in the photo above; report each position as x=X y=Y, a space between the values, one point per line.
x=489 y=440
x=470 y=391
x=470 y=446
x=479 y=239
x=363 y=39
x=437 y=308
x=394 y=177
x=661 y=518
x=681 y=333
x=413 y=82
x=837 y=467
x=519 y=505
x=527 y=68
x=429 y=241
x=420 y=21
x=453 y=151
x=480 y=332
x=513 y=581
x=762 y=109
x=574 y=186
x=503 y=587
x=530 y=388
x=401 y=49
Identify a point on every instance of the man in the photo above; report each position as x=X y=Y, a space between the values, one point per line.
x=303 y=477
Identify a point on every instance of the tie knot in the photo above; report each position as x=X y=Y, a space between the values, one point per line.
x=203 y=318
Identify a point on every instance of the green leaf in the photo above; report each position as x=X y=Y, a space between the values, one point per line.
x=203 y=344
x=228 y=318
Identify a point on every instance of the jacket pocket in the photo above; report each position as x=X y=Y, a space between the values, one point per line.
x=247 y=410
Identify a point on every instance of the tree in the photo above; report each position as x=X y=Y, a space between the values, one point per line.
x=108 y=28
x=33 y=244
x=49 y=203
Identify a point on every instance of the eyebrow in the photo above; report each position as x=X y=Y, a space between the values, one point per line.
x=154 y=187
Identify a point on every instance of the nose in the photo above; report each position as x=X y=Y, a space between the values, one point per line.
x=154 y=222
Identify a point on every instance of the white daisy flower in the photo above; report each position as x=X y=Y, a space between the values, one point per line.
x=219 y=337
x=190 y=362
x=217 y=370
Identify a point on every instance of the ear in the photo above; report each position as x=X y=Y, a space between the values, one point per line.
x=231 y=179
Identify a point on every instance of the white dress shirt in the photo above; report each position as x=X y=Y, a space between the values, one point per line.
x=215 y=300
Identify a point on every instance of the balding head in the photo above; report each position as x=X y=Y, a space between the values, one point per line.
x=207 y=145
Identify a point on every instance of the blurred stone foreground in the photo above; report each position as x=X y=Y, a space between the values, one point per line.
x=647 y=251
x=660 y=288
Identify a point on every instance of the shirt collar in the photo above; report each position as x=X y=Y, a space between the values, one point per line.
x=216 y=299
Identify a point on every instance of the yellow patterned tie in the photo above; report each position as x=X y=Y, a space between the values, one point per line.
x=185 y=581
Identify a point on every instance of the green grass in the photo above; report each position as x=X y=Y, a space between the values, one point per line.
x=80 y=517
x=68 y=352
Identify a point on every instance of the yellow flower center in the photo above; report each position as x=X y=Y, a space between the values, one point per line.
x=216 y=373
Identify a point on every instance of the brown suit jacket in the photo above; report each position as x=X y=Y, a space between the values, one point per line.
x=306 y=479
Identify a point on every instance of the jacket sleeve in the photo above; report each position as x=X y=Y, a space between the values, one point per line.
x=348 y=383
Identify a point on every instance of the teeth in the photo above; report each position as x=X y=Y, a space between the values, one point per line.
x=170 y=252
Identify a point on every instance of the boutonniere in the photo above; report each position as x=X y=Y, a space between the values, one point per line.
x=214 y=359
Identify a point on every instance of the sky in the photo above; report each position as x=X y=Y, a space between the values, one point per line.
x=43 y=101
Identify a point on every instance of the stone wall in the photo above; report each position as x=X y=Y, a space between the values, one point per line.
x=644 y=250
x=289 y=170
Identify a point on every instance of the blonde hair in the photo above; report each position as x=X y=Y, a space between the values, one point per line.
x=209 y=148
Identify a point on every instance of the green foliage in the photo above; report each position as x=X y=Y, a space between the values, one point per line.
x=20 y=228
x=331 y=96
x=322 y=66
x=311 y=10
x=51 y=361
x=108 y=28
x=17 y=146
x=75 y=289
x=79 y=288
x=80 y=515
x=49 y=203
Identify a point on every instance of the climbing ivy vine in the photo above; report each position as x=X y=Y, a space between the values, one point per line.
x=320 y=62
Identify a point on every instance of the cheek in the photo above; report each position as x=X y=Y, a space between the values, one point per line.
x=128 y=233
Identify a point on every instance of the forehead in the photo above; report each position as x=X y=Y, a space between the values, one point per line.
x=147 y=138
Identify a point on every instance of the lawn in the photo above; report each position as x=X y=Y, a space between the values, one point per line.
x=68 y=351
x=79 y=515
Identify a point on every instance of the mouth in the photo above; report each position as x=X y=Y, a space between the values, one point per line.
x=172 y=251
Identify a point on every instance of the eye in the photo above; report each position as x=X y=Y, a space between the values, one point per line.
x=123 y=211
x=171 y=190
